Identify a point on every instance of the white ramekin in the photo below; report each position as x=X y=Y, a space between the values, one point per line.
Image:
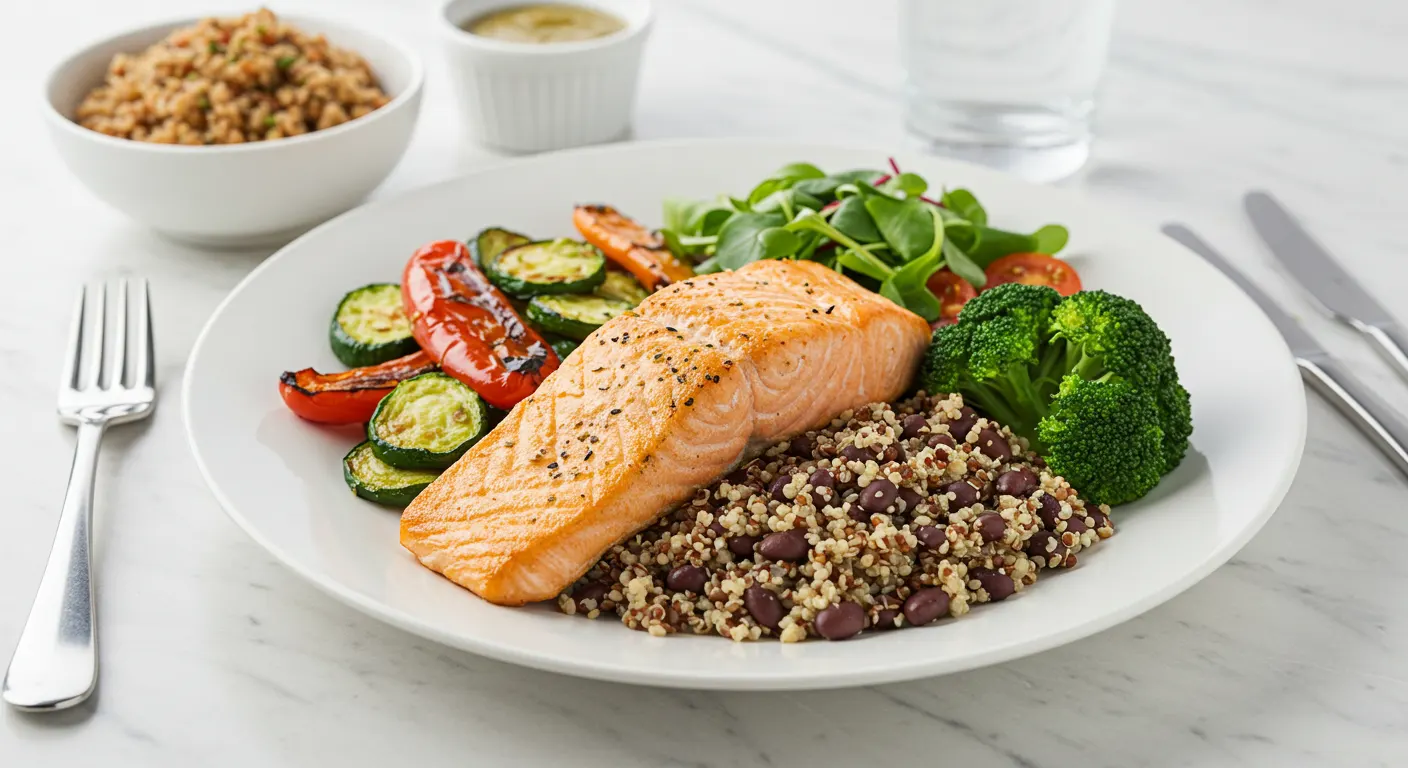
x=233 y=195
x=527 y=97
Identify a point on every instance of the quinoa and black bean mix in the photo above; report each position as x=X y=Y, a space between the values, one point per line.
x=891 y=516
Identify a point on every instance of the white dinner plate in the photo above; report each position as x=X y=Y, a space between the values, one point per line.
x=280 y=478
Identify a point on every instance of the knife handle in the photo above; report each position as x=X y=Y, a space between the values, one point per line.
x=1375 y=418
x=1391 y=343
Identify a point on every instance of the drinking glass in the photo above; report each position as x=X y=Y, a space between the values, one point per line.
x=1007 y=83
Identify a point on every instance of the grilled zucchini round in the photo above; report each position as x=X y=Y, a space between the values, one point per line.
x=547 y=267
x=574 y=315
x=494 y=241
x=370 y=326
x=375 y=480
x=427 y=422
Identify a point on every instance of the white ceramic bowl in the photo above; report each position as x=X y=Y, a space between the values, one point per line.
x=237 y=194
x=526 y=97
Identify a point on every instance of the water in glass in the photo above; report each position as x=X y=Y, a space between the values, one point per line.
x=1008 y=83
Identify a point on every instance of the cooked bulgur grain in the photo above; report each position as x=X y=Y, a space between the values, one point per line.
x=891 y=516
x=229 y=81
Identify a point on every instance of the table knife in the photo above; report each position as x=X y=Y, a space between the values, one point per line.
x=1334 y=289
x=1375 y=418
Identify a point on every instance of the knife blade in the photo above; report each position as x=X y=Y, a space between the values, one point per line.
x=1302 y=344
x=1376 y=419
x=1334 y=289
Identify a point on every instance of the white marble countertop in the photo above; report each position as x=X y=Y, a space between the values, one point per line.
x=1296 y=653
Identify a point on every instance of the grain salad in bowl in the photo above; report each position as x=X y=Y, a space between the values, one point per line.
x=231 y=80
x=235 y=132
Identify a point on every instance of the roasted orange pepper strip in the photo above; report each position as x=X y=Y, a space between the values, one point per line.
x=624 y=241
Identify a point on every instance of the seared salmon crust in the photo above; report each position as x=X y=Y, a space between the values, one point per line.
x=654 y=405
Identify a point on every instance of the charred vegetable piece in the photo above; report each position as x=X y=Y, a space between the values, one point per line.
x=624 y=241
x=621 y=286
x=375 y=480
x=370 y=326
x=546 y=267
x=573 y=315
x=468 y=326
x=427 y=423
x=564 y=347
x=494 y=241
x=349 y=397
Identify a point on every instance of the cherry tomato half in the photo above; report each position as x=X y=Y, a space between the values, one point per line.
x=1034 y=269
x=952 y=292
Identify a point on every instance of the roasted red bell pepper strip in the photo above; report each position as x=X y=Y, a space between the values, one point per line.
x=470 y=328
x=349 y=397
x=632 y=246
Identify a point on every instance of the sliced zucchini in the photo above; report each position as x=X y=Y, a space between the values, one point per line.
x=370 y=326
x=574 y=315
x=620 y=285
x=375 y=480
x=427 y=422
x=547 y=267
x=494 y=241
x=563 y=347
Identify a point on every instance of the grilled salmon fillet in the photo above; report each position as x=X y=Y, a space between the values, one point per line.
x=650 y=407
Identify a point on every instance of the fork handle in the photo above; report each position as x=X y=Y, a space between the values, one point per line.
x=1391 y=344
x=55 y=665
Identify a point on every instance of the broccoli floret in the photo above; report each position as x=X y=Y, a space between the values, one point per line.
x=1103 y=333
x=1022 y=355
x=989 y=353
x=1176 y=419
x=1104 y=437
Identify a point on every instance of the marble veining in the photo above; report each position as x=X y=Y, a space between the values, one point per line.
x=213 y=654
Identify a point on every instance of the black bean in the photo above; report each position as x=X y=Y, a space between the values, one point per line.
x=961 y=426
x=935 y=441
x=840 y=621
x=717 y=528
x=913 y=425
x=931 y=536
x=1076 y=523
x=964 y=494
x=857 y=514
x=912 y=499
x=894 y=452
x=763 y=606
x=822 y=478
x=993 y=445
x=775 y=490
x=1102 y=520
x=785 y=546
x=999 y=585
x=856 y=453
x=742 y=546
x=801 y=446
x=1050 y=511
x=925 y=605
x=687 y=578
x=990 y=526
x=885 y=619
x=878 y=496
x=1048 y=547
x=738 y=476
x=593 y=591
x=1017 y=482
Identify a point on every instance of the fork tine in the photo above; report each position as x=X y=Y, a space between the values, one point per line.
x=116 y=373
x=144 y=369
x=98 y=338
x=73 y=364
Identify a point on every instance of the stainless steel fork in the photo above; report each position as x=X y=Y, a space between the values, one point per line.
x=109 y=378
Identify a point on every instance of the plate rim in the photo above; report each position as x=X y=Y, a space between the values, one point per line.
x=669 y=678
